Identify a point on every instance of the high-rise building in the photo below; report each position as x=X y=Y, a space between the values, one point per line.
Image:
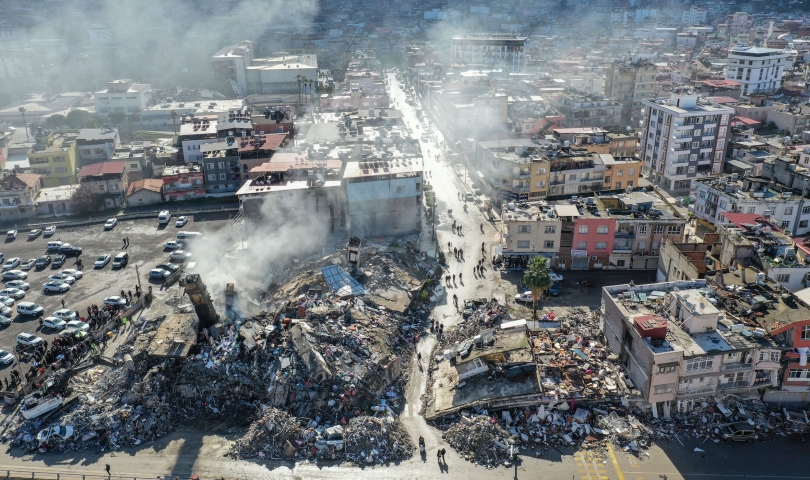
x=683 y=138
x=230 y=67
x=758 y=69
x=630 y=82
x=489 y=50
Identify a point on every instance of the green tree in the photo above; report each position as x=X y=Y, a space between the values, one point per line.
x=54 y=121
x=538 y=279
x=77 y=118
x=117 y=118
x=85 y=200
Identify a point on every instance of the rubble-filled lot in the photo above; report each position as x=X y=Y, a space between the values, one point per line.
x=319 y=377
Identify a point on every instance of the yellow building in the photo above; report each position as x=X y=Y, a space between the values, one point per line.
x=54 y=158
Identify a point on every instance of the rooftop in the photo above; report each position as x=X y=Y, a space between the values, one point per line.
x=102 y=169
x=394 y=166
x=151 y=184
x=97 y=134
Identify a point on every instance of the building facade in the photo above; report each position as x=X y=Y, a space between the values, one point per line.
x=96 y=145
x=54 y=158
x=183 y=182
x=489 y=50
x=107 y=179
x=18 y=193
x=758 y=69
x=123 y=96
x=630 y=82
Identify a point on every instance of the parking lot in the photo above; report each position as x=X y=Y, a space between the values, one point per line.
x=145 y=251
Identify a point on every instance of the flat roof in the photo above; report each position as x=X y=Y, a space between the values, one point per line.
x=383 y=167
x=566 y=210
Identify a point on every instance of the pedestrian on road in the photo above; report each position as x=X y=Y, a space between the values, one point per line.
x=459 y=278
x=454 y=280
x=107 y=467
x=125 y=242
x=443 y=452
x=455 y=252
x=439 y=456
x=459 y=229
x=63 y=303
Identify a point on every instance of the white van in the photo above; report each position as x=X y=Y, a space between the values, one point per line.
x=164 y=217
x=55 y=245
x=186 y=236
x=30 y=308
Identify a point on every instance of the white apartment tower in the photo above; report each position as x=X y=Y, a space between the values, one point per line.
x=683 y=138
x=758 y=69
x=489 y=50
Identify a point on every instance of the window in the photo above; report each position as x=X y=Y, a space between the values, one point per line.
x=523 y=244
x=212 y=177
x=803 y=224
x=658 y=230
x=601 y=245
x=418 y=187
x=659 y=389
x=61 y=170
x=221 y=165
x=785 y=224
x=114 y=187
x=788 y=210
x=641 y=245
x=524 y=229
x=583 y=229
x=619 y=172
x=667 y=368
x=642 y=229
x=806 y=332
x=783 y=277
x=698 y=364
x=602 y=229
x=222 y=176
x=541 y=171
x=400 y=188
x=631 y=171
x=209 y=166
x=620 y=263
x=551 y=229
x=548 y=244
x=673 y=230
x=607 y=180
x=799 y=374
x=582 y=245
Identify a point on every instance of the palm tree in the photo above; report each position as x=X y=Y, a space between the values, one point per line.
x=174 y=121
x=538 y=279
x=25 y=124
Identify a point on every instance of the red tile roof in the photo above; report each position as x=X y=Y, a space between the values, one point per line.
x=748 y=220
x=102 y=168
x=151 y=184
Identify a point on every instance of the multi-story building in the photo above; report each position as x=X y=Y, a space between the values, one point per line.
x=528 y=232
x=288 y=77
x=230 y=68
x=18 y=193
x=54 y=158
x=194 y=132
x=574 y=172
x=183 y=182
x=221 y=167
x=678 y=348
x=96 y=145
x=489 y=50
x=694 y=16
x=629 y=82
x=516 y=172
x=683 y=138
x=108 y=179
x=590 y=111
x=740 y=23
x=758 y=69
x=123 y=95
x=793 y=119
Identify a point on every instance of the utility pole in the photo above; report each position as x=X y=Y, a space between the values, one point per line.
x=138 y=276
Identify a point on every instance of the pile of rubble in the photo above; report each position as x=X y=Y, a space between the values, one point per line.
x=480 y=439
x=377 y=440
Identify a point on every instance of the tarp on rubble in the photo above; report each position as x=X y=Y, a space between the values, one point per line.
x=341 y=282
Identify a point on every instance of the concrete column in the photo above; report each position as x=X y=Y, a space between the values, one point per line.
x=667 y=407
x=654 y=407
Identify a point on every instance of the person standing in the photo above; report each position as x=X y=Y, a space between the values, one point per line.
x=443 y=451
x=107 y=467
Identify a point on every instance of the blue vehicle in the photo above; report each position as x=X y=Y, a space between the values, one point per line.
x=554 y=290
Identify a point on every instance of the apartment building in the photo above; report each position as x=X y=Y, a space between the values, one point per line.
x=195 y=132
x=528 y=231
x=740 y=23
x=107 y=179
x=123 y=95
x=758 y=69
x=694 y=16
x=53 y=157
x=230 y=67
x=574 y=172
x=183 y=182
x=678 y=348
x=221 y=167
x=517 y=170
x=489 y=50
x=794 y=119
x=629 y=82
x=590 y=111
x=96 y=145
x=683 y=138
x=18 y=193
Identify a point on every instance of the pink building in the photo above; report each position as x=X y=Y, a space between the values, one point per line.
x=593 y=242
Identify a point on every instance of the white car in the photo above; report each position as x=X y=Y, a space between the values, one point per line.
x=11 y=234
x=28 y=339
x=13 y=293
x=66 y=314
x=6 y=311
x=77 y=326
x=172 y=245
x=524 y=297
x=11 y=263
x=102 y=261
x=18 y=284
x=5 y=357
x=49 y=230
x=54 y=323
x=61 y=277
x=159 y=274
x=72 y=272
x=56 y=434
x=5 y=321
x=7 y=301
x=115 y=300
x=181 y=222
x=179 y=256
x=28 y=264
x=56 y=286
x=555 y=277
x=14 y=275
x=110 y=224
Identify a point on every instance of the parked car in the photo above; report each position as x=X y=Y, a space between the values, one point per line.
x=69 y=250
x=11 y=234
x=181 y=222
x=168 y=266
x=43 y=261
x=49 y=230
x=14 y=275
x=7 y=301
x=115 y=300
x=555 y=277
x=61 y=277
x=28 y=264
x=54 y=323
x=72 y=272
x=56 y=433
x=66 y=314
x=55 y=245
x=13 y=293
x=554 y=289
x=738 y=432
x=77 y=326
x=110 y=224
x=34 y=233
x=28 y=339
x=5 y=321
x=5 y=357
x=179 y=256
x=172 y=245
x=58 y=261
x=159 y=274
x=102 y=261
x=6 y=311
x=11 y=263
x=30 y=308
x=524 y=297
x=120 y=260
x=56 y=286
x=18 y=284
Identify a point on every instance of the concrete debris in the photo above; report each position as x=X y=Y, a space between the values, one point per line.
x=481 y=440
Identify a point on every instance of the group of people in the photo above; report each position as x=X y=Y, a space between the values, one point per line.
x=62 y=352
x=437 y=327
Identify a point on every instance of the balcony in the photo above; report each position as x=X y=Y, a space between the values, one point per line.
x=734 y=385
x=522 y=176
x=695 y=391
x=683 y=128
x=624 y=234
x=729 y=367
